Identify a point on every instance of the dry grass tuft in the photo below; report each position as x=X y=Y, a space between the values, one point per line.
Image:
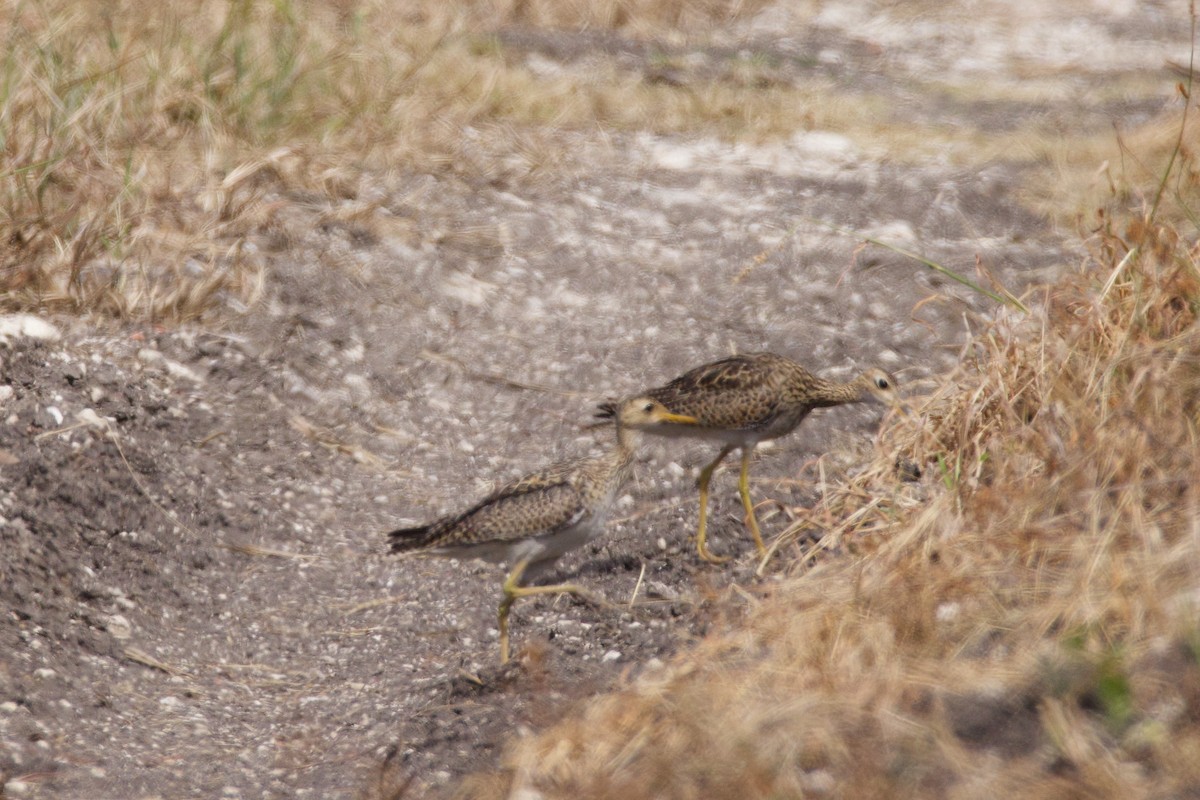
x=1022 y=622
x=1084 y=179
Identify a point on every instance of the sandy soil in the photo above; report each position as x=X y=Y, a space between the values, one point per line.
x=197 y=599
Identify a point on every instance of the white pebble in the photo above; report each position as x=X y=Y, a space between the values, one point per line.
x=148 y=355
x=824 y=145
x=947 y=612
x=14 y=326
x=93 y=420
x=526 y=793
x=611 y=655
x=819 y=781
x=357 y=384
x=897 y=233
x=177 y=370
x=54 y=412
x=119 y=626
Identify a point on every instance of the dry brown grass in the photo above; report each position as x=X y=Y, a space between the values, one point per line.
x=152 y=155
x=1022 y=622
x=1082 y=175
x=142 y=144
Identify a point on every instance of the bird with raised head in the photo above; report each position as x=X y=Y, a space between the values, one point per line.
x=532 y=521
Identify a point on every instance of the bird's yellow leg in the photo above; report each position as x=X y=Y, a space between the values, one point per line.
x=747 y=503
x=511 y=584
x=705 y=477
x=513 y=590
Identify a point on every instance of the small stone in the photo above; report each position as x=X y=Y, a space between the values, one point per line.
x=119 y=626
x=659 y=590
x=148 y=355
x=93 y=420
x=358 y=384
x=45 y=673
x=526 y=793
x=948 y=612
x=177 y=370
x=610 y=656
x=819 y=781
x=15 y=326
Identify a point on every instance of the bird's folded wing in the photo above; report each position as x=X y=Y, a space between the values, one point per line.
x=537 y=505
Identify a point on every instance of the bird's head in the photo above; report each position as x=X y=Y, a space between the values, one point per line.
x=646 y=413
x=876 y=384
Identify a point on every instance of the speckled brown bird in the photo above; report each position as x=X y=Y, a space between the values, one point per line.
x=743 y=400
x=534 y=520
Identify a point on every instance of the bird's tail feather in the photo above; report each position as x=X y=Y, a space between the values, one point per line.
x=606 y=410
x=406 y=539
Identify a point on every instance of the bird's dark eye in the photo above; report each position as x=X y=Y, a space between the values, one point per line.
x=882 y=383
x=648 y=407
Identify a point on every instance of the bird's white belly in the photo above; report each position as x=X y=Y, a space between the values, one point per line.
x=550 y=547
x=737 y=437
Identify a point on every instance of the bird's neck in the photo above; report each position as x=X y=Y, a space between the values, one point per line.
x=627 y=441
x=831 y=393
x=621 y=457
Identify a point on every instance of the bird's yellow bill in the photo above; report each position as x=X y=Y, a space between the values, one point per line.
x=677 y=419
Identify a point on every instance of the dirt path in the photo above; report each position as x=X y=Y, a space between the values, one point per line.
x=200 y=605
